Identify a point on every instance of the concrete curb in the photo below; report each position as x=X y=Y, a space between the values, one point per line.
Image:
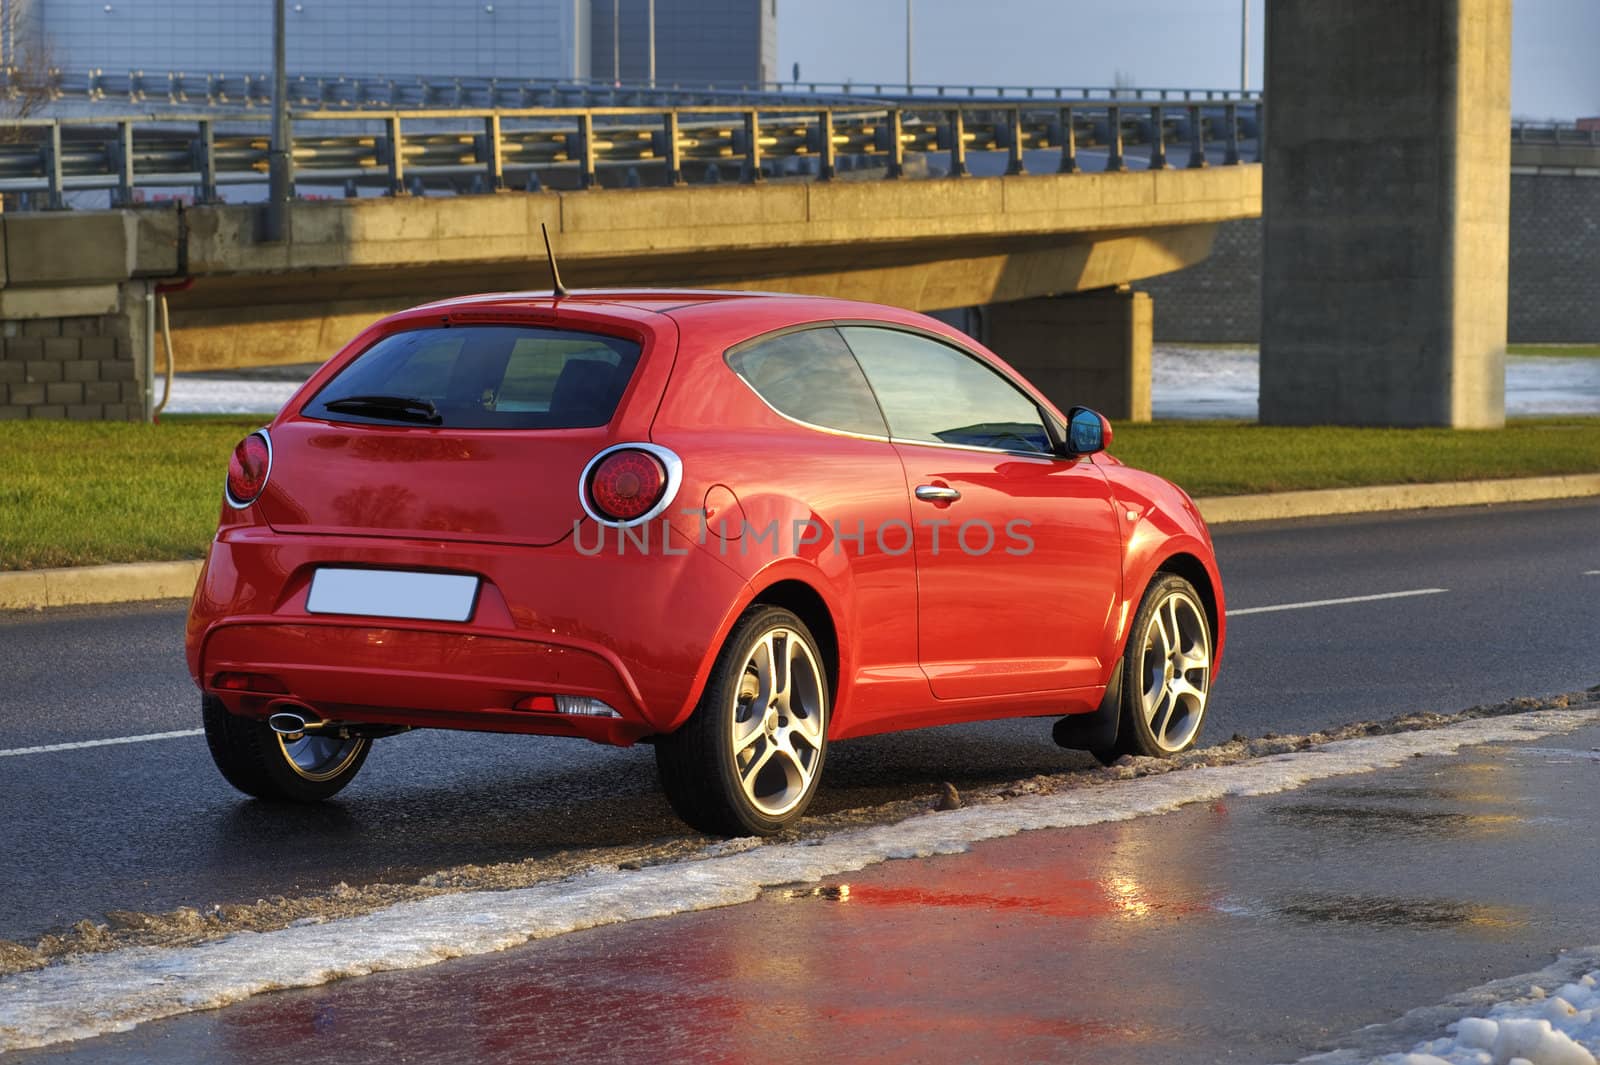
x=32 y=589
x=1221 y=510
x=79 y=585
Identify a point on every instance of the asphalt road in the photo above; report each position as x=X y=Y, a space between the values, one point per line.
x=151 y=826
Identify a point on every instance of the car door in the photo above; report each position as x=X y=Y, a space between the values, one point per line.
x=1018 y=550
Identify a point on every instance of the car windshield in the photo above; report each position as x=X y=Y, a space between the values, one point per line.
x=482 y=377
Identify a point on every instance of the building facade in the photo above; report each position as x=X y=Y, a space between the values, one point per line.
x=361 y=38
x=697 y=42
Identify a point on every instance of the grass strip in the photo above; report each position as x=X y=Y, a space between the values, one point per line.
x=81 y=493
x=1220 y=458
x=75 y=493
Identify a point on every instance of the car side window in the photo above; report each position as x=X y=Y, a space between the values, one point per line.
x=811 y=376
x=934 y=392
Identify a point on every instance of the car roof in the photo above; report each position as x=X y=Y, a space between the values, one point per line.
x=759 y=311
x=713 y=320
x=657 y=300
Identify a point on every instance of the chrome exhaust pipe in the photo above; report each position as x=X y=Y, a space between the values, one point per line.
x=287 y=723
x=293 y=719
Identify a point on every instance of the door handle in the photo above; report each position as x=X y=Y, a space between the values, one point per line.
x=937 y=493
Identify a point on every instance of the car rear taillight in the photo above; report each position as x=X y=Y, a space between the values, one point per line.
x=248 y=469
x=628 y=483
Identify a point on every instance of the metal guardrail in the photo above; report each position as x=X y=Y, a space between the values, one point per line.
x=1559 y=135
x=332 y=91
x=480 y=150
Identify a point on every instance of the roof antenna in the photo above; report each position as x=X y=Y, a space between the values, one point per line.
x=557 y=288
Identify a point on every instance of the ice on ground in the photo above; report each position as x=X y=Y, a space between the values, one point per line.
x=205 y=394
x=1194 y=383
x=1191 y=382
x=119 y=990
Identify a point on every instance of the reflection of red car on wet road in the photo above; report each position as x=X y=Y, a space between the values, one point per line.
x=738 y=526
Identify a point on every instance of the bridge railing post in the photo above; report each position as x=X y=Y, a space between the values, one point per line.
x=493 y=157
x=958 y=143
x=1197 y=138
x=1158 y=138
x=396 y=157
x=891 y=143
x=1231 y=120
x=583 y=151
x=1114 y=161
x=1069 y=143
x=124 y=149
x=1014 y=143
x=827 y=152
x=752 y=148
x=670 y=148
x=53 y=196
x=206 y=162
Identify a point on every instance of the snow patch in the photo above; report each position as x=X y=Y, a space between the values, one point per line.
x=1536 y=1027
x=116 y=991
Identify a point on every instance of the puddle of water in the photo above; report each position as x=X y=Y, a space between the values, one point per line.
x=1392 y=911
x=1077 y=899
x=1395 y=911
x=1405 y=793
x=1395 y=820
x=1561 y=754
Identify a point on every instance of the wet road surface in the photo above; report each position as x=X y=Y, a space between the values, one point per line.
x=1250 y=930
x=150 y=826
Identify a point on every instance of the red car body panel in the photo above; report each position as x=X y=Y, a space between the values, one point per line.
x=776 y=510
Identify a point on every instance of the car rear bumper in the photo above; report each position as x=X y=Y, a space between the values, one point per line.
x=636 y=632
x=422 y=678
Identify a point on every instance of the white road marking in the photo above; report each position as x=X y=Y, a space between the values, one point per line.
x=51 y=748
x=1334 y=602
x=1591 y=573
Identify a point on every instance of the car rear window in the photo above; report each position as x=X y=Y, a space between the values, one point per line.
x=482 y=377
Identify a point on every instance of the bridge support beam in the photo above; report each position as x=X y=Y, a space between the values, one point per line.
x=1386 y=201
x=1091 y=349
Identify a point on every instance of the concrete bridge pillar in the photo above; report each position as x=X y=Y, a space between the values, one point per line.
x=74 y=321
x=76 y=353
x=1386 y=202
x=1091 y=349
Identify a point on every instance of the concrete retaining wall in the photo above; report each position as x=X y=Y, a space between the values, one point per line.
x=1555 y=249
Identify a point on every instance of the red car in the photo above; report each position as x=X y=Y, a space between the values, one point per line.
x=736 y=526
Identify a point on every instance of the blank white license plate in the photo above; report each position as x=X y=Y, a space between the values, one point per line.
x=387 y=593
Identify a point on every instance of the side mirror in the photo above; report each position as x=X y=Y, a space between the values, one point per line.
x=1088 y=431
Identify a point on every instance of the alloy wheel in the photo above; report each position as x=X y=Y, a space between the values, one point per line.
x=778 y=722
x=1176 y=671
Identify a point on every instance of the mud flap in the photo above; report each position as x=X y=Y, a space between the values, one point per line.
x=1096 y=730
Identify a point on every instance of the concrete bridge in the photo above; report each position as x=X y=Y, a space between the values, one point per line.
x=1385 y=232
x=79 y=287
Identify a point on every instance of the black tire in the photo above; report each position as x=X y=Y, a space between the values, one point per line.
x=699 y=764
x=256 y=760
x=1146 y=726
